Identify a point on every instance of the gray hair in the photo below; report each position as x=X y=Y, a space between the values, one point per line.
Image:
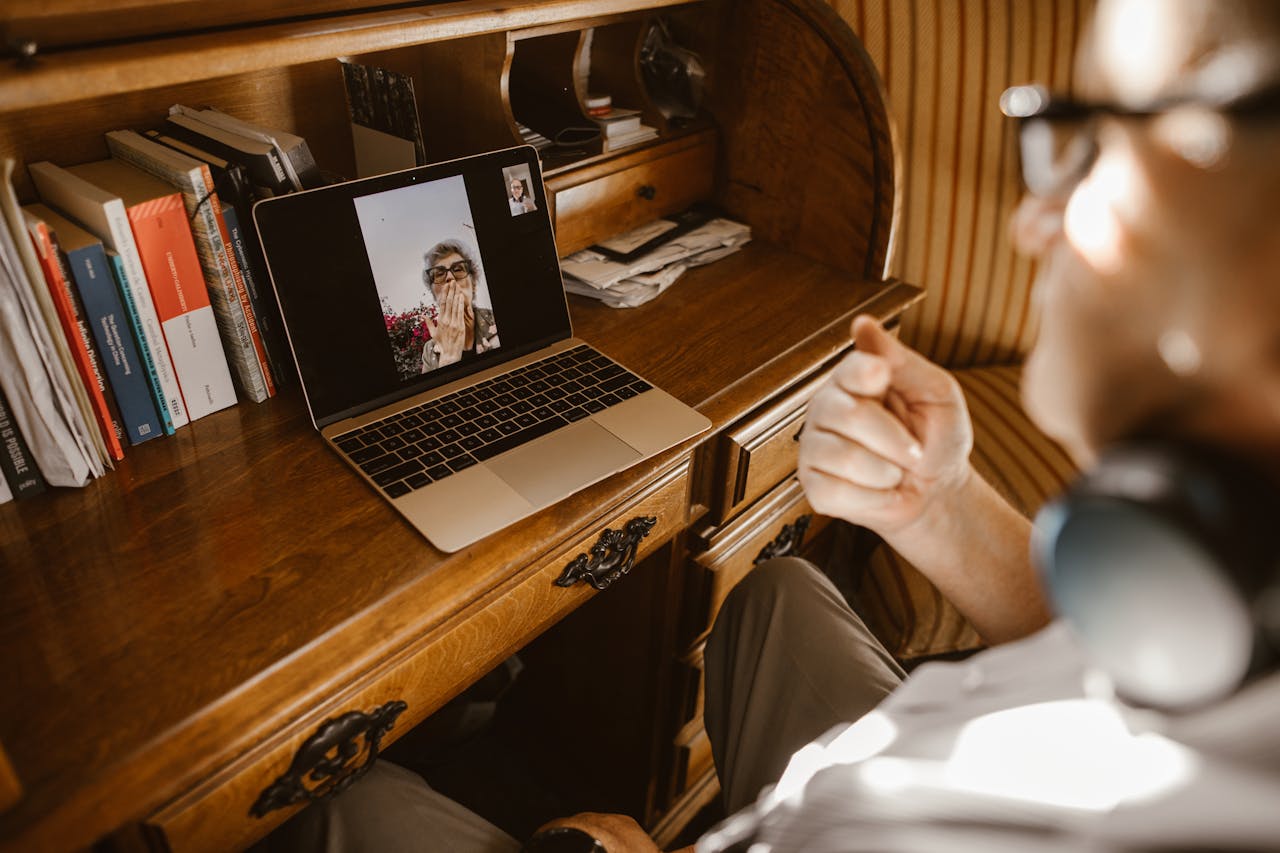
x=452 y=247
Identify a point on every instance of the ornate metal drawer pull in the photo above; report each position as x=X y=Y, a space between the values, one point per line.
x=332 y=759
x=787 y=542
x=611 y=557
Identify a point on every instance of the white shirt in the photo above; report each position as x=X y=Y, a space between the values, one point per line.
x=1022 y=748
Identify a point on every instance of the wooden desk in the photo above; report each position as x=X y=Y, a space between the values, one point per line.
x=171 y=634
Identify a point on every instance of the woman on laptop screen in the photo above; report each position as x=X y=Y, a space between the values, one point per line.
x=458 y=327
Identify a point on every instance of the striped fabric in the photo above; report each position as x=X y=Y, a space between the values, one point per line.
x=899 y=605
x=945 y=63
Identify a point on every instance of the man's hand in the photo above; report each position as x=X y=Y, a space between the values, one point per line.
x=617 y=833
x=885 y=436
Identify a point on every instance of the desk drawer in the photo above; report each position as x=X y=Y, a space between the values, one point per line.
x=693 y=757
x=777 y=526
x=593 y=203
x=223 y=813
x=762 y=450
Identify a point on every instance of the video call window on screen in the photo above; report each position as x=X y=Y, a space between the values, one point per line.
x=423 y=250
x=519 y=190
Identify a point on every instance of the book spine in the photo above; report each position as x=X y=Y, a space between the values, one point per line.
x=265 y=170
x=262 y=299
x=215 y=262
x=17 y=464
x=259 y=350
x=83 y=349
x=181 y=298
x=127 y=292
x=143 y=307
x=113 y=333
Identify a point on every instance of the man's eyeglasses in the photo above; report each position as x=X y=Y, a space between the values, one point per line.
x=436 y=275
x=1058 y=136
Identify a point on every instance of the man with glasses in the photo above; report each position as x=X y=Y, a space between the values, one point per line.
x=1153 y=209
x=459 y=328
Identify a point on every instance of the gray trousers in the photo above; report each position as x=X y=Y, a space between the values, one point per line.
x=786 y=660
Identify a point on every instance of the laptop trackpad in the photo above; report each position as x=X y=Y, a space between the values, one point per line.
x=549 y=468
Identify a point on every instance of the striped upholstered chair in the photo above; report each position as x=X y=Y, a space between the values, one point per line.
x=944 y=64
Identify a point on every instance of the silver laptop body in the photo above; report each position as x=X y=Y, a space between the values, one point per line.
x=368 y=275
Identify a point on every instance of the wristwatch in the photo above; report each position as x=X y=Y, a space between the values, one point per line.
x=562 y=839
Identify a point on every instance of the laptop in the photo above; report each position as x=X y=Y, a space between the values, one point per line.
x=428 y=321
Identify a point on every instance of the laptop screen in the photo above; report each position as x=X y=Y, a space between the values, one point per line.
x=396 y=284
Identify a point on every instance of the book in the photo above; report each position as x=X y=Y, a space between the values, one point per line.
x=103 y=214
x=75 y=327
x=263 y=297
x=232 y=311
x=643 y=133
x=173 y=275
x=260 y=160
x=292 y=150
x=112 y=329
x=36 y=381
x=17 y=465
x=235 y=191
x=115 y=264
x=386 y=132
x=230 y=179
x=618 y=122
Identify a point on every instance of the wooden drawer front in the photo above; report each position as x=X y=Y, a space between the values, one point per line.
x=777 y=526
x=594 y=203
x=423 y=676
x=690 y=688
x=761 y=452
x=693 y=757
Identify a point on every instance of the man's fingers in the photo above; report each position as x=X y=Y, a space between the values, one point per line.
x=864 y=374
x=911 y=372
x=866 y=422
x=850 y=461
x=838 y=498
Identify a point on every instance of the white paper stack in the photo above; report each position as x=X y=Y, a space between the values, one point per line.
x=626 y=285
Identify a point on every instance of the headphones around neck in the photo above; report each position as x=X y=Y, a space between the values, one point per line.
x=1166 y=560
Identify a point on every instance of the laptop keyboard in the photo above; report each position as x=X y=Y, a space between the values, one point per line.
x=426 y=443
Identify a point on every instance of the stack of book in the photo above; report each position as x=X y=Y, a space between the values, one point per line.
x=133 y=298
x=622 y=128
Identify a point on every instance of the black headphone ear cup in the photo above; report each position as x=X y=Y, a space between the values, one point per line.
x=1140 y=556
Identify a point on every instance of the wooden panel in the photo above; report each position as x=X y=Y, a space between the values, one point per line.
x=693 y=757
x=10 y=789
x=808 y=153
x=204 y=819
x=590 y=210
x=461 y=90
x=697 y=795
x=543 y=87
x=61 y=23
x=733 y=550
x=762 y=451
x=689 y=690
x=615 y=69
